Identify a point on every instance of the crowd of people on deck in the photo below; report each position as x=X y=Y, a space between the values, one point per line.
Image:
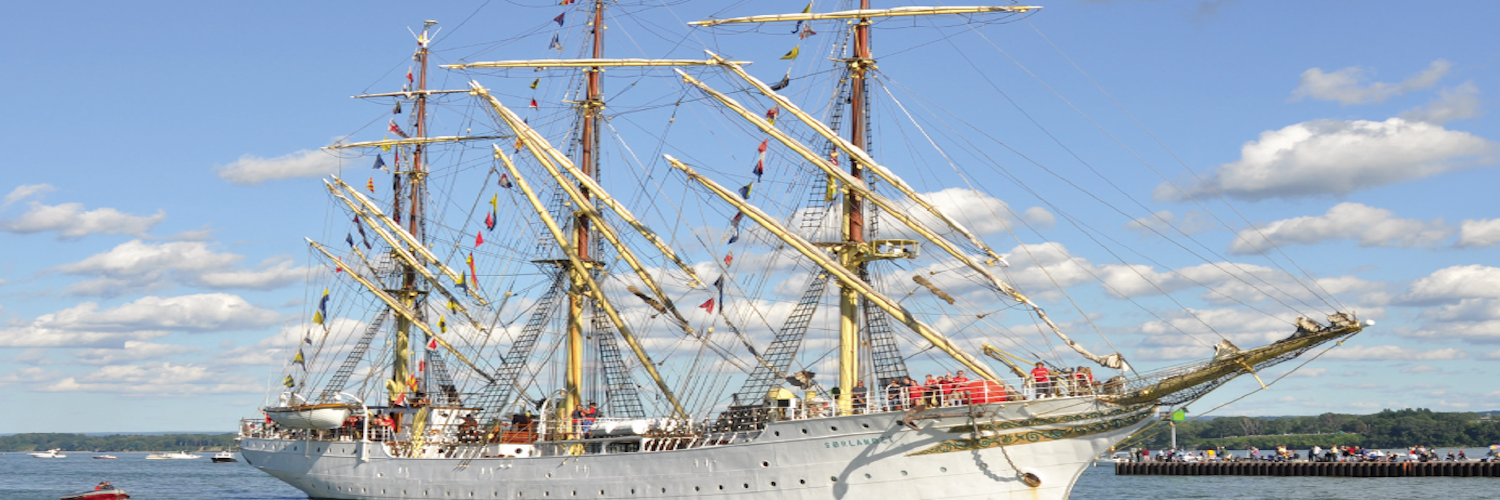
x=958 y=389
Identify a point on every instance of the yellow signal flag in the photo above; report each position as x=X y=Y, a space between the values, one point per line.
x=808 y=8
x=385 y=147
x=793 y=54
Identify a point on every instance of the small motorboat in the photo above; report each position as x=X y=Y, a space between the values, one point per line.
x=224 y=457
x=105 y=457
x=109 y=494
x=173 y=455
x=52 y=453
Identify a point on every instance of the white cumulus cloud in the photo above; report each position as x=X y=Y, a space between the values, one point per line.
x=1369 y=226
x=1463 y=303
x=1332 y=157
x=1452 y=284
x=132 y=351
x=251 y=170
x=1457 y=103
x=977 y=211
x=25 y=191
x=1392 y=352
x=1351 y=85
x=1223 y=283
x=1479 y=233
x=168 y=379
x=87 y=325
x=136 y=265
x=72 y=220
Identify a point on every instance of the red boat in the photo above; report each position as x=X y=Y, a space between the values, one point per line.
x=110 y=494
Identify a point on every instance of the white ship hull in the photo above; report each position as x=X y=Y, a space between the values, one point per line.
x=858 y=456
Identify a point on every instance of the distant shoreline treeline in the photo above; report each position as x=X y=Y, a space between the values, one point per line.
x=1389 y=429
x=117 y=442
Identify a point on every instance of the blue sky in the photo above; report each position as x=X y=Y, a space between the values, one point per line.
x=158 y=185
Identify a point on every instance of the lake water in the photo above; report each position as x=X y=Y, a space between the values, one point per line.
x=26 y=478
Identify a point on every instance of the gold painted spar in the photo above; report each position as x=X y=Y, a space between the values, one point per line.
x=869 y=13
x=586 y=63
x=1236 y=364
x=845 y=276
x=858 y=186
x=411 y=241
x=409 y=259
x=529 y=135
x=416 y=140
x=541 y=150
x=582 y=277
x=402 y=310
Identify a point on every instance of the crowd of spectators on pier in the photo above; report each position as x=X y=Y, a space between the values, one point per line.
x=1316 y=454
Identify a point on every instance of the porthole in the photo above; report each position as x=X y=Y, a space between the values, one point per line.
x=942 y=469
x=549 y=475
x=833 y=428
x=765 y=464
x=867 y=476
x=721 y=487
x=663 y=490
x=801 y=481
x=773 y=484
x=903 y=473
x=778 y=433
x=833 y=479
x=632 y=491
x=804 y=431
x=695 y=488
x=747 y=486
x=867 y=426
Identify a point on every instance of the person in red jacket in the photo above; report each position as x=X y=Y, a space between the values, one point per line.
x=1043 y=382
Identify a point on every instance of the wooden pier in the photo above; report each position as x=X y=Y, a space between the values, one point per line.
x=1337 y=469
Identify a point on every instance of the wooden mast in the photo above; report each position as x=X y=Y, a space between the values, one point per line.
x=588 y=162
x=850 y=254
x=412 y=190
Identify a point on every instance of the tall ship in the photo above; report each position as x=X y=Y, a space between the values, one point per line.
x=686 y=282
